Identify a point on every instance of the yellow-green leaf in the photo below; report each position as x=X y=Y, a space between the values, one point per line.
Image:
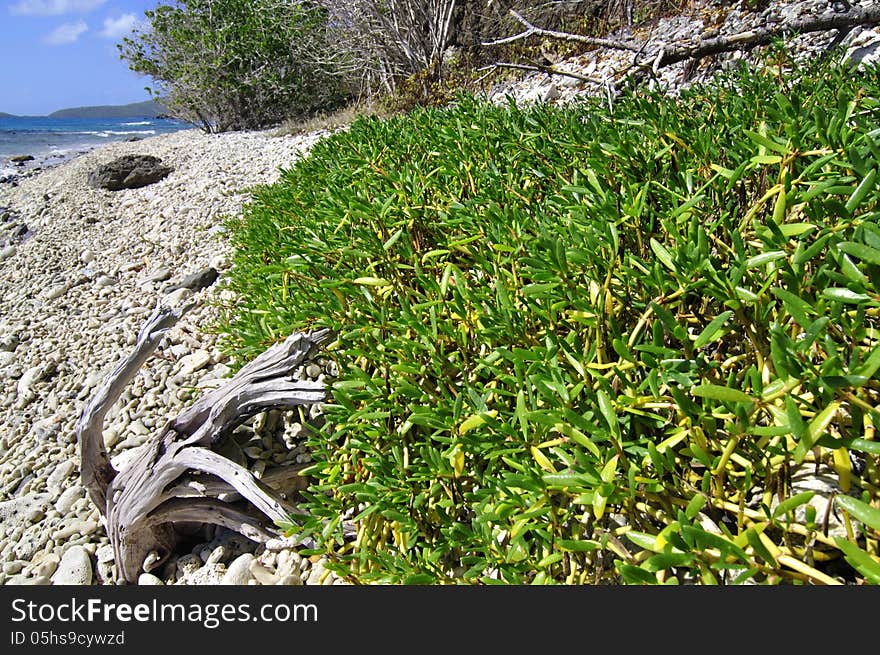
x=542 y=460
x=717 y=392
x=815 y=430
x=372 y=281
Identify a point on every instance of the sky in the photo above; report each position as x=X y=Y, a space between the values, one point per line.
x=56 y=54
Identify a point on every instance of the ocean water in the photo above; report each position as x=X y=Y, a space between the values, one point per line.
x=52 y=140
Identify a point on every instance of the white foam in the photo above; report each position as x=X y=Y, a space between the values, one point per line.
x=138 y=123
x=107 y=133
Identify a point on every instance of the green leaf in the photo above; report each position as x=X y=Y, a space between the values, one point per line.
x=841 y=294
x=860 y=250
x=635 y=575
x=764 y=258
x=663 y=561
x=703 y=540
x=767 y=142
x=711 y=332
x=643 y=540
x=755 y=542
x=791 y=503
x=815 y=430
x=795 y=305
x=861 y=191
x=860 y=560
x=577 y=436
x=419 y=579
x=766 y=159
x=868 y=515
x=663 y=254
x=607 y=409
x=372 y=281
x=577 y=546
x=725 y=394
x=694 y=506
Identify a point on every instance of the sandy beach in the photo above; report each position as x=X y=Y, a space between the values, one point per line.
x=80 y=270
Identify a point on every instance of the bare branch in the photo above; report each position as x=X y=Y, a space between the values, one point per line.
x=667 y=55
x=532 y=30
x=549 y=70
x=97 y=471
x=765 y=35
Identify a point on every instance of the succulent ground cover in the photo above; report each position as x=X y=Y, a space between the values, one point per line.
x=588 y=344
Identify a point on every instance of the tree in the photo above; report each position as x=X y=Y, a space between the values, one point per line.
x=383 y=42
x=236 y=64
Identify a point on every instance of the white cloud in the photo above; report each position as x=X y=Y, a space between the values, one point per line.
x=66 y=33
x=115 y=28
x=54 y=7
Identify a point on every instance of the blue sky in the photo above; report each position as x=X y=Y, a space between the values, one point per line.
x=62 y=53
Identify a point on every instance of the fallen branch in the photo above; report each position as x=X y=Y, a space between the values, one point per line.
x=550 y=70
x=532 y=30
x=765 y=35
x=666 y=54
x=176 y=478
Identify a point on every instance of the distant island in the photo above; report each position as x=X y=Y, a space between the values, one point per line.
x=148 y=108
x=133 y=110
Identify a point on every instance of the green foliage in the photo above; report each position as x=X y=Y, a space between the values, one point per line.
x=577 y=346
x=236 y=64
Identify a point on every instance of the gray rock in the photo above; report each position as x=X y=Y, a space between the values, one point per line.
x=188 y=565
x=105 y=554
x=12 y=568
x=106 y=281
x=56 y=291
x=160 y=274
x=75 y=568
x=209 y=574
x=68 y=497
x=45 y=565
x=17 y=510
x=195 y=281
x=7 y=252
x=9 y=342
x=317 y=573
x=59 y=475
x=129 y=172
x=77 y=526
x=239 y=572
x=177 y=297
x=263 y=575
x=148 y=579
x=194 y=362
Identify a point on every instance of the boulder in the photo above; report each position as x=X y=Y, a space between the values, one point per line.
x=129 y=172
x=20 y=159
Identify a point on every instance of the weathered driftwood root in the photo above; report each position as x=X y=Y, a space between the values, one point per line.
x=177 y=479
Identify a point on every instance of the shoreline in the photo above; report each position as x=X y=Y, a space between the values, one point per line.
x=40 y=155
x=12 y=172
x=80 y=270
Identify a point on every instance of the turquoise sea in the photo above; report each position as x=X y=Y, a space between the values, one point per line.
x=51 y=140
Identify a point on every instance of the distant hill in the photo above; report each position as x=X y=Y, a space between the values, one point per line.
x=133 y=110
x=5 y=115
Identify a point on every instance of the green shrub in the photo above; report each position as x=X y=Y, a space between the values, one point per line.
x=581 y=346
x=235 y=64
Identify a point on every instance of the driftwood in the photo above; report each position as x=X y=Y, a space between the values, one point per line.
x=177 y=479
x=645 y=61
